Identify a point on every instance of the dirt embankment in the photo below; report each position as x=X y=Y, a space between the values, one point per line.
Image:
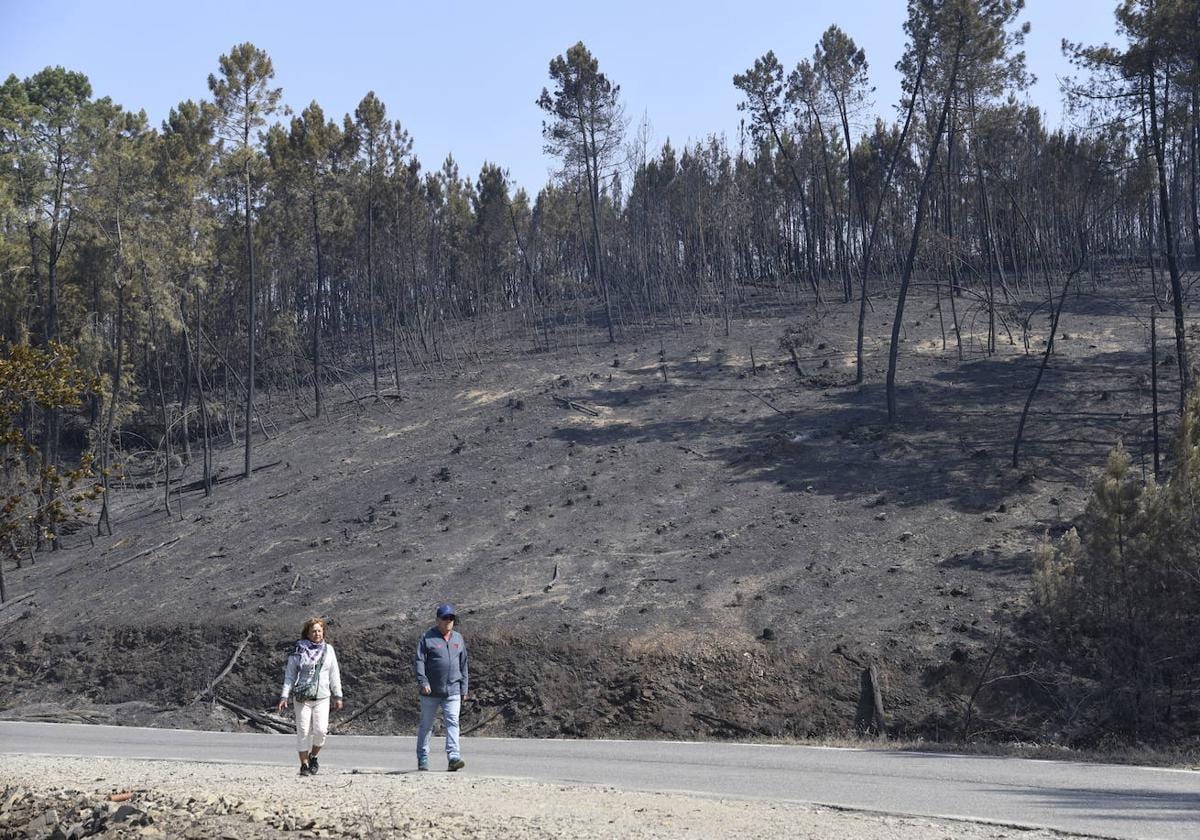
x=550 y=685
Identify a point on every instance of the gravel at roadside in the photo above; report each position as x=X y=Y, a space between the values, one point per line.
x=45 y=797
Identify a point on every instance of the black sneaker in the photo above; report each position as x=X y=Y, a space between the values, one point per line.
x=304 y=771
x=456 y=764
x=313 y=765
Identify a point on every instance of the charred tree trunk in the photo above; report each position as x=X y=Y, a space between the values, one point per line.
x=906 y=276
x=318 y=306
x=250 y=332
x=1168 y=218
x=868 y=251
x=104 y=523
x=166 y=435
x=1062 y=298
x=1194 y=141
x=371 y=289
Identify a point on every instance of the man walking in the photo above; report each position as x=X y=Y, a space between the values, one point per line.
x=441 y=670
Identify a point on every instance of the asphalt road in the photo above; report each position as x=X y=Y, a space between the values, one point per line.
x=1094 y=799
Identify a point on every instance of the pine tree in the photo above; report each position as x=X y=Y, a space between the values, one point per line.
x=1123 y=592
x=586 y=130
x=306 y=157
x=244 y=100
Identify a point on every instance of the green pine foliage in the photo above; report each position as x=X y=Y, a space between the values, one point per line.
x=1122 y=590
x=36 y=497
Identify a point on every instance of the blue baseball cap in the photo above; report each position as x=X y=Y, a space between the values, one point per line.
x=445 y=611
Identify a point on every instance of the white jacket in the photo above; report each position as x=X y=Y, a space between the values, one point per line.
x=329 y=681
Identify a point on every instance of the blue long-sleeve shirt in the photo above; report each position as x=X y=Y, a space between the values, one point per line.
x=441 y=663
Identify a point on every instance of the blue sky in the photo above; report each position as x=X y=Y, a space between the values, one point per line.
x=463 y=76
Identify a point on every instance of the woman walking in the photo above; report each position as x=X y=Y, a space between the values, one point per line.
x=311 y=678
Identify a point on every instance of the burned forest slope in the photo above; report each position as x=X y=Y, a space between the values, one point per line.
x=653 y=538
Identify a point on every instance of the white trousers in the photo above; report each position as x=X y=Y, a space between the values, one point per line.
x=312 y=723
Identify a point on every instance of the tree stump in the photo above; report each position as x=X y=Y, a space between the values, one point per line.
x=869 y=718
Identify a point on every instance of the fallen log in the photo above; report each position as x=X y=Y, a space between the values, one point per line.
x=256 y=718
x=566 y=403
x=224 y=479
x=765 y=401
x=16 y=600
x=714 y=721
x=342 y=724
x=481 y=723
x=225 y=671
x=372 y=396
x=142 y=554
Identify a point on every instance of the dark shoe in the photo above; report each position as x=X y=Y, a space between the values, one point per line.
x=313 y=765
x=304 y=771
x=456 y=764
x=423 y=764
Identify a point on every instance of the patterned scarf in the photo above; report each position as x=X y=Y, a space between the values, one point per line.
x=308 y=655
